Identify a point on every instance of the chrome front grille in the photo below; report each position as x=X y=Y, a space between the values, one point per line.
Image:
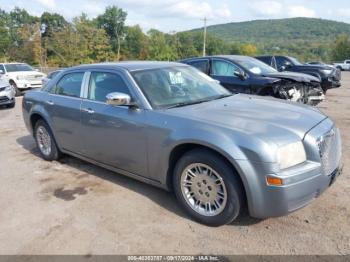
x=329 y=147
x=33 y=77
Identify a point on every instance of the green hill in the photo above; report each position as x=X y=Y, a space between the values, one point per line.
x=305 y=38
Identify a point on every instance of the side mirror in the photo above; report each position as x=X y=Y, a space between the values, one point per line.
x=36 y=69
x=282 y=68
x=1 y=72
x=240 y=75
x=118 y=99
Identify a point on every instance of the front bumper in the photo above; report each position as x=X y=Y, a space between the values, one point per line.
x=302 y=183
x=7 y=97
x=25 y=84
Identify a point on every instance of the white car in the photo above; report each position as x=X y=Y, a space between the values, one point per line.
x=7 y=94
x=21 y=76
x=343 y=66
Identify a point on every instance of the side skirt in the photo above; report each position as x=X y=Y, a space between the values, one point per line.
x=117 y=170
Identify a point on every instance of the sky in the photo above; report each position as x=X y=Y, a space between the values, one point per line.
x=178 y=15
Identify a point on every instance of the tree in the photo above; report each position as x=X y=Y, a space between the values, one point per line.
x=249 y=50
x=52 y=22
x=134 y=43
x=5 y=39
x=112 y=21
x=341 y=48
x=158 y=48
x=78 y=43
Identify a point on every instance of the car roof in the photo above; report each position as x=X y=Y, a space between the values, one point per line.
x=231 y=57
x=129 y=65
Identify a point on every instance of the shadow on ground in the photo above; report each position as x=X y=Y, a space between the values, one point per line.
x=159 y=196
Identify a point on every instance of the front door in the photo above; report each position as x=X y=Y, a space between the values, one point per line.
x=223 y=71
x=113 y=135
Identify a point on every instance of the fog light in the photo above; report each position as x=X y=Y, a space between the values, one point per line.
x=274 y=181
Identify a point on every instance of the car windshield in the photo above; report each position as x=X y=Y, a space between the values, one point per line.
x=294 y=61
x=18 y=67
x=255 y=66
x=178 y=86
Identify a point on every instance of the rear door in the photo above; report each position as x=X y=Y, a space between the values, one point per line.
x=223 y=71
x=201 y=65
x=63 y=104
x=113 y=135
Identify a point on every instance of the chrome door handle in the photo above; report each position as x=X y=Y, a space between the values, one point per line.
x=49 y=102
x=88 y=110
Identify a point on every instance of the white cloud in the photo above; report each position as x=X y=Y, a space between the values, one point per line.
x=266 y=8
x=300 y=11
x=47 y=3
x=343 y=12
x=277 y=9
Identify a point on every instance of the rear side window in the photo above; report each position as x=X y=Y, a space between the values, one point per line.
x=70 y=85
x=102 y=83
x=201 y=65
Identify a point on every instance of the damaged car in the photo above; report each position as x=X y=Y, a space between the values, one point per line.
x=243 y=74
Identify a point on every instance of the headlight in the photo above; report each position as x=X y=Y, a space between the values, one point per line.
x=327 y=71
x=291 y=155
x=21 y=77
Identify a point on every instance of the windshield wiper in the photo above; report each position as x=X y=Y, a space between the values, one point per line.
x=181 y=104
x=188 y=103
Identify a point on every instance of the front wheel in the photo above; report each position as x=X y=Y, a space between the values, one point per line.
x=208 y=188
x=13 y=84
x=45 y=141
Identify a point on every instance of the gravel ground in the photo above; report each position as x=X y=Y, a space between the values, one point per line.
x=72 y=207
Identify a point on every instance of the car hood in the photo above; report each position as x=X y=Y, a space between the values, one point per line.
x=268 y=118
x=314 y=67
x=299 y=77
x=27 y=73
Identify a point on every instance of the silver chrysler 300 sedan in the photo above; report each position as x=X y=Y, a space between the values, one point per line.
x=172 y=126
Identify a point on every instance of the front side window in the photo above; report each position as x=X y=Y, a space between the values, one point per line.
x=282 y=62
x=201 y=65
x=2 y=69
x=223 y=68
x=70 y=85
x=18 y=67
x=177 y=86
x=102 y=83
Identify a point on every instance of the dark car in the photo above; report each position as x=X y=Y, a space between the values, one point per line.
x=243 y=74
x=330 y=76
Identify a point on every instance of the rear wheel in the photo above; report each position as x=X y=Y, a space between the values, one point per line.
x=45 y=141
x=208 y=188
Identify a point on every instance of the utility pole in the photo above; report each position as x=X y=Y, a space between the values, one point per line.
x=205 y=34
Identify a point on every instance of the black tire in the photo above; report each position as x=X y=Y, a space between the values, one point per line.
x=233 y=185
x=54 y=153
x=12 y=105
x=13 y=84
